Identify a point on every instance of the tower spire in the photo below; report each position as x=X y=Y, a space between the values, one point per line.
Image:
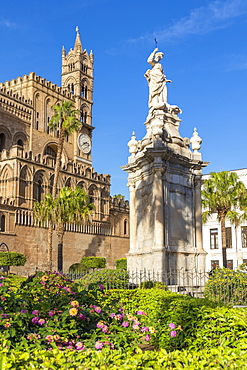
x=78 y=44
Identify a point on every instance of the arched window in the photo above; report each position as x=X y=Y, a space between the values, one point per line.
x=125 y=227
x=2 y=223
x=84 y=90
x=39 y=191
x=20 y=142
x=2 y=142
x=51 y=152
x=83 y=116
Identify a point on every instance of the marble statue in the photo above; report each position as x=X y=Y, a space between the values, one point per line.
x=156 y=81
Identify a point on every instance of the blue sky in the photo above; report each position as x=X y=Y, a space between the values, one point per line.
x=205 y=56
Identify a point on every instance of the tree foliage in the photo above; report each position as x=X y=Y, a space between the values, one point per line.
x=12 y=259
x=223 y=193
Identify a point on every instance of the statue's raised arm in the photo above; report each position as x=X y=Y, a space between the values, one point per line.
x=156 y=81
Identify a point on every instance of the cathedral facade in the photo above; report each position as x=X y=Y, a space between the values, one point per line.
x=27 y=157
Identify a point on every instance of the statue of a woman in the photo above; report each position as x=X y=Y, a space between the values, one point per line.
x=156 y=81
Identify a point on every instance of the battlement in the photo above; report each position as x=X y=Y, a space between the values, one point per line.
x=72 y=167
x=119 y=204
x=13 y=103
x=21 y=82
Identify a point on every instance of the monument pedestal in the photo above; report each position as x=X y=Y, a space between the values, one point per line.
x=164 y=177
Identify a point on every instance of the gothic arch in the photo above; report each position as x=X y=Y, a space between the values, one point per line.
x=40 y=184
x=104 y=202
x=50 y=153
x=5 y=138
x=20 y=137
x=81 y=185
x=25 y=190
x=85 y=88
x=6 y=182
x=70 y=84
x=85 y=111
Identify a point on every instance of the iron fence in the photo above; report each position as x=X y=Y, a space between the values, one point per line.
x=183 y=282
x=222 y=285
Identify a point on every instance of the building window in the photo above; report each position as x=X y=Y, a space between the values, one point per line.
x=214 y=239
x=2 y=223
x=244 y=236
x=228 y=237
x=2 y=142
x=214 y=264
x=125 y=227
x=229 y=264
x=20 y=142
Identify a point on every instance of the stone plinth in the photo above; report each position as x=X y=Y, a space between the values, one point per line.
x=164 y=178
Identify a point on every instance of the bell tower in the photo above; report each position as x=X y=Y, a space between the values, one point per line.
x=77 y=77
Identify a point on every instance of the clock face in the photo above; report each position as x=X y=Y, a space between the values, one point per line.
x=84 y=143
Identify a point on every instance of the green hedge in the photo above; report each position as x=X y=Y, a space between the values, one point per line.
x=12 y=259
x=227 y=286
x=121 y=264
x=215 y=359
x=93 y=262
x=109 y=279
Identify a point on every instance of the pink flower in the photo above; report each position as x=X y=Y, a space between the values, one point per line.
x=41 y=321
x=97 y=309
x=82 y=317
x=105 y=329
x=79 y=346
x=173 y=333
x=135 y=326
x=125 y=324
x=144 y=328
x=172 y=326
x=35 y=312
x=51 y=313
x=35 y=320
x=99 y=345
x=141 y=313
x=147 y=337
x=23 y=311
x=112 y=315
x=101 y=287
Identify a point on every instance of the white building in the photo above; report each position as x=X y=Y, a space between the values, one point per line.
x=236 y=238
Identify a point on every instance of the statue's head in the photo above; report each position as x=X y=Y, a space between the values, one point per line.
x=158 y=56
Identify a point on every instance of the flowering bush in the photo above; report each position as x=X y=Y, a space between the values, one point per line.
x=48 y=311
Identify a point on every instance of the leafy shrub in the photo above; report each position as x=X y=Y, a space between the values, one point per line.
x=184 y=312
x=152 y=284
x=77 y=268
x=48 y=312
x=215 y=359
x=93 y=262
x=227 y=286
x=110 y=279
x=121 y=264
x=12 y=259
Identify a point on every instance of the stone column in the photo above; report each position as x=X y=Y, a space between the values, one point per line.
x=158 y=208
x=198 y=214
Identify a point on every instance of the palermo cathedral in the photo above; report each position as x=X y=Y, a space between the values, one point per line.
x=27 y=157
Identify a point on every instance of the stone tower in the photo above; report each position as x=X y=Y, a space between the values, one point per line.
x=77 y=76
x=164 y=178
